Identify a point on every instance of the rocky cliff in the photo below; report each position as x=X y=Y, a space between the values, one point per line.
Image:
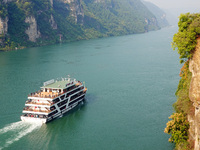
x=76 y=10
x=26 y=23
x=4 y=25
x=194 y=94
x=32 y=30
x=184 y=125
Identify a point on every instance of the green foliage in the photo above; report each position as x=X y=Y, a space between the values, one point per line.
x=17 y=25
x=185 y=39
x=3 y=9
x=183 y=103
x=178 y=128
x=66 y=27
x=118 y=17
x=80 y=19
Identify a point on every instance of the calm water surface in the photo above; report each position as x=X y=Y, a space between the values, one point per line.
x=131 y=83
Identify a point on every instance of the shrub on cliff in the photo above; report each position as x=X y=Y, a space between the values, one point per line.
x=183 y=103
x=185 y=39
x=178 y=128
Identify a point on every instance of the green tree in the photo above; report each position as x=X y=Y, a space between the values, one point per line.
x=178 y=128
x=185 y=39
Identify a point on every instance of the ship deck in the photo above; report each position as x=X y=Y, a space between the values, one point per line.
x=58 y=84
x=45 y=94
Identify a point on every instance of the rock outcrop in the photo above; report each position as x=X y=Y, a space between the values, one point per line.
x=195 y=69
x=53 y=23
x=32 y=30
x=76 y=10
x=194 y=94
x=3 y=25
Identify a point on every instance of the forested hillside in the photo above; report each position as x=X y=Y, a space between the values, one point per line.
x=26 y=23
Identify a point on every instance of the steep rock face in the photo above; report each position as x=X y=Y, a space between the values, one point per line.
x=194 y=67
x=3 y=25
x=194 y=95
x=32 y=30
x=76 y=10
x=53 y=23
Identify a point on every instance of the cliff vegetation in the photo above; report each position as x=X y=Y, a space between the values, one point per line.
x=26 y=23
x=185 y=42
x=185 y=39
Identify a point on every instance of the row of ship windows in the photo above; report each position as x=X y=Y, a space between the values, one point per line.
x=62 y=97
x=65 y=101
x=75 y=96
x=62 y=103
x=59 y=104
x=34 y=115
x=64 y=107
x=52 y=108
x=76 y=100
x=49 y=115
x=72 y=92
x=69 y=88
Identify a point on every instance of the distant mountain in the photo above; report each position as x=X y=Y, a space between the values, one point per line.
x=159 y=13
x=26 y=23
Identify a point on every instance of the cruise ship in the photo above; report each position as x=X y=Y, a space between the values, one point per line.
x=55 y=98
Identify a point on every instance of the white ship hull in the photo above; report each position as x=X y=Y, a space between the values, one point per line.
x=33 y=120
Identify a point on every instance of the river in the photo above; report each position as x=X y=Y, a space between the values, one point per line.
x=131 y=82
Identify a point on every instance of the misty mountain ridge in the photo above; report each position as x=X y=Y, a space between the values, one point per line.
x=159 y=13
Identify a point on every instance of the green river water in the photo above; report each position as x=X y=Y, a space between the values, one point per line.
x=131 y=82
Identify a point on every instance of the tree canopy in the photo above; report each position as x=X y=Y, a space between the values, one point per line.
x=185 y=39
x=178 y=128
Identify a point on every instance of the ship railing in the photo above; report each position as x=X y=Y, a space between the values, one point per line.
x=34 y=115
x=34 y=102
x=45 y=95
x=37 y=103
x=39 y=110
x=42 y=94
x=50 y=94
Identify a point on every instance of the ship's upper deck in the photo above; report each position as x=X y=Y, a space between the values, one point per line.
x=58 y=84
x=54 y=88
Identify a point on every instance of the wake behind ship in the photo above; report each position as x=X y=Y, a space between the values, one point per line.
x=55 y=98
